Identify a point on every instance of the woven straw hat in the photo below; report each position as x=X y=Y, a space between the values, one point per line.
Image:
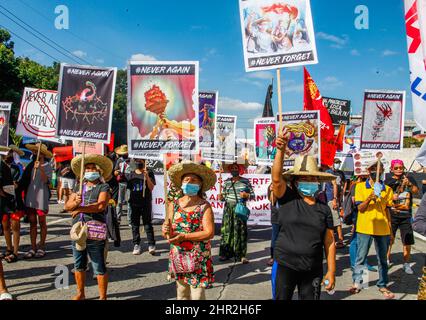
x=177 y=171
x=78 y=234
x=43 y=149
x=122 y=150
x=17 y=150
x=103 y=162
x=306 y=166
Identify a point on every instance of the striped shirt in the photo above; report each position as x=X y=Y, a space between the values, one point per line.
x=241 y=185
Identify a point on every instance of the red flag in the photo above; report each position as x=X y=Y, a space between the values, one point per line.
x=313 y=101
x=340 y=137
x=62 y=154
x=110 y=145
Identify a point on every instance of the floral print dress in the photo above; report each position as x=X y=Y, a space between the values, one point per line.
x=188 y=222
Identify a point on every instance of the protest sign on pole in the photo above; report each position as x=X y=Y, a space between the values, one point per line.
x=277 y=34
x=415 y=21
x=208 y=101
x=224 y=141
x=163 y=114
x=37 y=116
x=5 y=108
x=305 y=136
x=85 y=103
x=339 y=110
x=363 y=159
x=62 y=154
x=265 y=141
x=91 y=147
x=383 y=120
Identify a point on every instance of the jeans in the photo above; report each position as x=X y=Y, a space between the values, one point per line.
x=352 y=253
x=122 y=195
x=308 y=283
x=381 y=244
x=275 y=231
x=146 y=213
x=96 y=251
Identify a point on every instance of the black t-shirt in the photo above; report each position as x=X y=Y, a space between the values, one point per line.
x=91 y=196
x=7 y=203
x=395 y=184
x=300 y=242
x=114 y=187
x=135 y=184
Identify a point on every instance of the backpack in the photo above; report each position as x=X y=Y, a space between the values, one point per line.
x=349 y=208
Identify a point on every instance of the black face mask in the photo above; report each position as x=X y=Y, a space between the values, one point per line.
x=140 y=165
x=373 y=175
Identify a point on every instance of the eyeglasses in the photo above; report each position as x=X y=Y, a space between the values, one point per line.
x=398 y=168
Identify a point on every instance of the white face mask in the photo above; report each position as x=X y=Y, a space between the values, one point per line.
x=336 y=166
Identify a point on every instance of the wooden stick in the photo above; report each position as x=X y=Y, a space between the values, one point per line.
x=37 y=159
x=378 y=169
x=220 y=178
x=144 y=182
x=82 y=167
x=166 y=198
x=280 y=106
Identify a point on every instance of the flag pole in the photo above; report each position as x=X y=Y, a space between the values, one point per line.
x=82 y=167
x=144 y=181
x=280 y=107
x=166 y=199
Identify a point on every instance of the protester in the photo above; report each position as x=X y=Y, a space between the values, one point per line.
x=274 y=222
x=373 y=223
x=306 y=228
x=404 y=187
x=67 y=181
x=58 y=169
x=120 y=169
x=334 y=191
x=140 y=183
x=9 y=177
x=35 y=184
x=354 y=214
x=89 y=207
x=189 y=226
x=419 y=226
x=235 y=190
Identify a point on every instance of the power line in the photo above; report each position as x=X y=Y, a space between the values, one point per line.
x=66 y=54
x=72 y=33
x=35 y=47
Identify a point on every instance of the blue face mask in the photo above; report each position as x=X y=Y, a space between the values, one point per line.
x=190 y=189
x=91 y=176
x=308 y=189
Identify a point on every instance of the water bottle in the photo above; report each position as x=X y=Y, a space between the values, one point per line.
x=330 y=292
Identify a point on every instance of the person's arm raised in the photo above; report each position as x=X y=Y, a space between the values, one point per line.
x=279 y=186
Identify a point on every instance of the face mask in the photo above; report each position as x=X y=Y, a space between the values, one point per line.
x=235 y=173
x=190 y=189
x=140 y=165
x=91 y=176
x=308 y=189
x=336 y=166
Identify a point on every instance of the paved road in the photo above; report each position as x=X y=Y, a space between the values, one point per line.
x=144 y=276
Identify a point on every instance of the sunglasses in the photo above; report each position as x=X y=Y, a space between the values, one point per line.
x=398 y=168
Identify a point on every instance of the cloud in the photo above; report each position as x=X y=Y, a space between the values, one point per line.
x=355 y=52
x=337 y=42
x=230 y=104
x=264 y=75
x=330 y=83
x=388 y=53
x=142 y=57
x=79 y=53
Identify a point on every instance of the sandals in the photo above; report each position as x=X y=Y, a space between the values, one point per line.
x=30 y=254
x=5 y=254
x=40 y=253
x=354 y=290
x=11 y=258
x=387 y=293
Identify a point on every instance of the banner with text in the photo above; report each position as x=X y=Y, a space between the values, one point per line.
x=339 y=110
x=90 y=147
x=208 y=101
x=265 y=144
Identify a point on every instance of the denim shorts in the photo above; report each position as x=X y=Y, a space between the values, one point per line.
x=96 y=251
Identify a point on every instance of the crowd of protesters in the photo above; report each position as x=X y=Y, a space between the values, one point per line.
x=309 y=205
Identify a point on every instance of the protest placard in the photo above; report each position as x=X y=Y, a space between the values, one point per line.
x=91 y=147
x=208 y=101
x=339 y=110
x=5 y=108
x=265 y=141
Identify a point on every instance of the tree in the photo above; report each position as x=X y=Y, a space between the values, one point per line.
x=120 y=108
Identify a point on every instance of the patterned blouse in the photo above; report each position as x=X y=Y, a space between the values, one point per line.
x=241 y=185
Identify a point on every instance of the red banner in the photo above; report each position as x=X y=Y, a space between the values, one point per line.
x=62 y=154
x=111 y=143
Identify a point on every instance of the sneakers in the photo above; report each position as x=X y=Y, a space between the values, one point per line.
x=137 y=250
x=151 y=250
x=407 y=268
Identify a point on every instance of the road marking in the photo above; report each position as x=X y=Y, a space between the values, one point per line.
x=58 y=221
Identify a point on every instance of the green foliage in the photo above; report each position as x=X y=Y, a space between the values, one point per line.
x=411 y=142
x=16 y=140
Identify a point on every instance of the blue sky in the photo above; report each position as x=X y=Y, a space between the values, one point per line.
x=109 y=32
